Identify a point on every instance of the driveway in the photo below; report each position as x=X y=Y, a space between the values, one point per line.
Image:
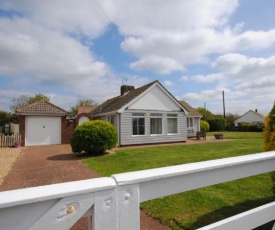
x=42 y=165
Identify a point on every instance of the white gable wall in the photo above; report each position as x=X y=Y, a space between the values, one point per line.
x=155 y=99
x=249 y=117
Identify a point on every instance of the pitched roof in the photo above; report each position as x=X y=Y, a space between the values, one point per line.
x=85 y=109
x=41 y=108
x=116 y=103
x=190 y=109
x=249 y=111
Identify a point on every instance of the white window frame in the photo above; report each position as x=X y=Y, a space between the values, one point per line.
x=172 y=116
x=138 y=115
x=158 y=116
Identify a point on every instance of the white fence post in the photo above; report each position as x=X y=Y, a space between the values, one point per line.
x=128 y=207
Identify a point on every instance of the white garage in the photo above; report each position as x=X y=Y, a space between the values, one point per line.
x=42 y=131
x=43 y=123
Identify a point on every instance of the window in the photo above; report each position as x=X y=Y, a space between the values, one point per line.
x=155 y=124
x=138 y=122
x=172 y=123
x=190 y=122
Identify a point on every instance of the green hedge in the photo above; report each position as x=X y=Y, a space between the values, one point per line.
x=217 y=124
x=251 y=127
x=94 y=137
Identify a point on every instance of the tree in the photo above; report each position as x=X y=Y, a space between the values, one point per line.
x=74 y=109
x=4 y=117
x=204 y=126
x=269 y=138
x=204 y=112
x=24 y=100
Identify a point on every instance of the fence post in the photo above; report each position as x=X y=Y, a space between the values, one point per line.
x=128 y=207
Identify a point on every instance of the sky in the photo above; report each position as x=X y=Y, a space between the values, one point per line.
x=77 y=50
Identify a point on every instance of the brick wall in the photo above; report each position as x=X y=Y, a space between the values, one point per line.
x=22 y=129
x=67 y=130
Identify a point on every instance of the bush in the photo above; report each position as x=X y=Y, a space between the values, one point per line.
x=94 y=137
x=204 y=126
x=251 y=127
x=217 y=124
x=269 y=138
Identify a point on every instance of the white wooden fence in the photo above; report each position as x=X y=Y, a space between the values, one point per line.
x=114 y=202
x=9 y=140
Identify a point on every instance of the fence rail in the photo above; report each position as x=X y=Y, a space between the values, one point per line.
x=9 y=140
x=114 y=202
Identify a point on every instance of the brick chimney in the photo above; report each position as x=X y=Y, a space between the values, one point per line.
x=126 y=88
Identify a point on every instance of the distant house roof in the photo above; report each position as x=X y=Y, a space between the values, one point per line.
x=41 y=108
x=116 y=103
x=190 y=109
x=85 y=109
x=256 y=113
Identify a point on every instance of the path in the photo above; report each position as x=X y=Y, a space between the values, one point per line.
x=41 y=165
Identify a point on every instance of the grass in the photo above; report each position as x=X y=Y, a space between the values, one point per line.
x=197 y=208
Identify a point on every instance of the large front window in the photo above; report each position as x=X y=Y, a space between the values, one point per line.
x=138 y=122
x=172 y=123
x=155 y=124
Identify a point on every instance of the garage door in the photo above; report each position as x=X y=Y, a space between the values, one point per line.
x=42 y=131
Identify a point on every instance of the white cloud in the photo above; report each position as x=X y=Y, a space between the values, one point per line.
x=184 y=78
x=208 y=78
x=168 y=83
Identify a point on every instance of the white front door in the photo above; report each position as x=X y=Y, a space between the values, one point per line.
x=42 y=131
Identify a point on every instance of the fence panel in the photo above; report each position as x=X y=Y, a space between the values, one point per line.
x=10 y=141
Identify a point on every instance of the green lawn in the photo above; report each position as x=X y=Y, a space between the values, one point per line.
x=200 y=207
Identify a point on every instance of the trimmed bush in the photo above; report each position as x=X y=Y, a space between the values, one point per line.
x=94 y=137
x=217 y=124
x=204 y=126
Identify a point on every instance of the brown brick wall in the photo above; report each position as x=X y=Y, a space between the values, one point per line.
x=67 y=130
x=22 y=129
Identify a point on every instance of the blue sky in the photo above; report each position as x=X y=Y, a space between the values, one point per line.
x=71 y=50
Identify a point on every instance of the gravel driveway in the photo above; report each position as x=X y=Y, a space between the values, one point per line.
x=7 y=158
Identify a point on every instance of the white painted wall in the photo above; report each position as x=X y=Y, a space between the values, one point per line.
x=155 y=99
x=83 y=119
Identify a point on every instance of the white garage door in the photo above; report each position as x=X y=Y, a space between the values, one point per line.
x=42 y=131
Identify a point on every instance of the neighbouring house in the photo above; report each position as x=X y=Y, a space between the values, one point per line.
x=146 y=115
x=43 y=123
x=250 y=117
x=193 y=119
x=84 y=114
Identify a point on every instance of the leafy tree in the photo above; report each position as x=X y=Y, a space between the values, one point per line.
x=24 y=100
x=204 y=112
x=4 y=117
x=269 y=137
x=74 y=109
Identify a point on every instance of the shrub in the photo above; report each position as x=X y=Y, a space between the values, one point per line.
x=217 y=124
x=204 y=126
x=94 y=137
x=269 y=138
x=252 y=127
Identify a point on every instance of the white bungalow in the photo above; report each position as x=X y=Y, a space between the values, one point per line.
x=250 y=117
x=146 y=115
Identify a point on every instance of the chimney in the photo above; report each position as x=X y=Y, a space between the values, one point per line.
x=126 y=88
x=256 y=110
